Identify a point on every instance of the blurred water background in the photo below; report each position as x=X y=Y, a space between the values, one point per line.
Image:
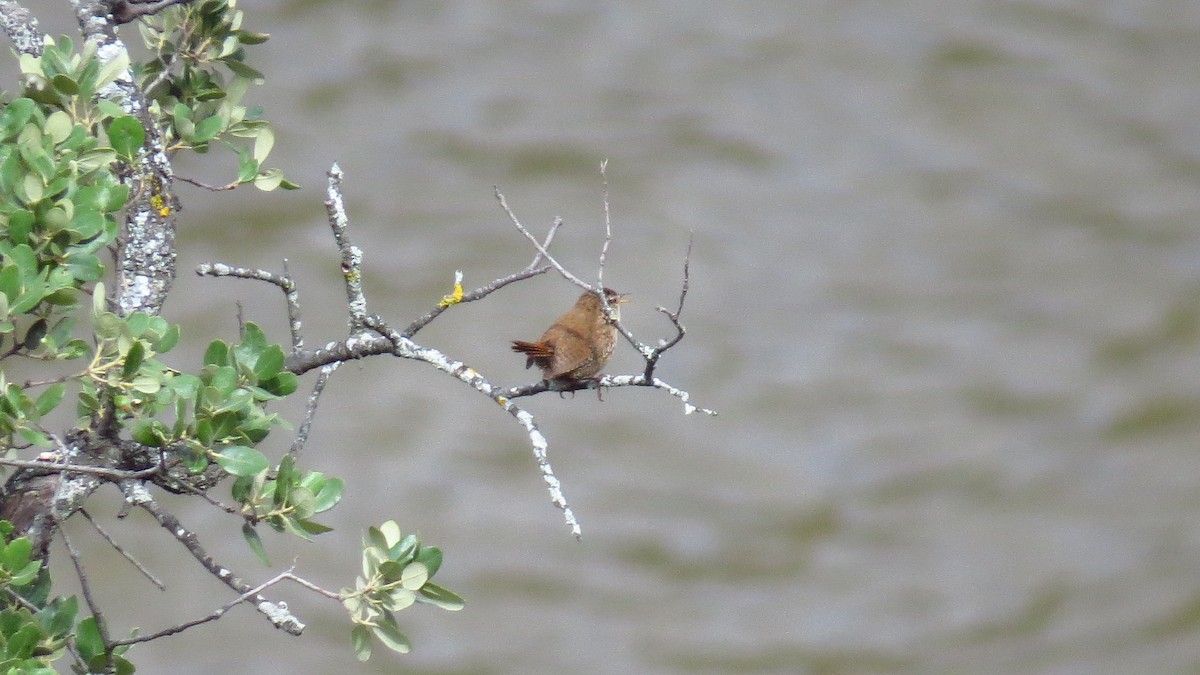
x=944 y=295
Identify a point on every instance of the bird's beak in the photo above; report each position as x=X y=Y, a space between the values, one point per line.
x=622 y=299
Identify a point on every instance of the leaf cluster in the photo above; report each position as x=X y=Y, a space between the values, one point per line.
x=35 y=632
x=196 y=83
x=396 y=573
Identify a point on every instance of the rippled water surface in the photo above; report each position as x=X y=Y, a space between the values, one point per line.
x=943 y=293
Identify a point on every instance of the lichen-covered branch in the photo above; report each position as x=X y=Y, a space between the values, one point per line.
x=276 y=612
x=21 y=27
x=146 y=255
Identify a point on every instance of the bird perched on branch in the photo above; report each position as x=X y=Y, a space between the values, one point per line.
x=578 y=344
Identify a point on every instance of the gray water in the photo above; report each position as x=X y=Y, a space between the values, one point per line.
x=943 y=294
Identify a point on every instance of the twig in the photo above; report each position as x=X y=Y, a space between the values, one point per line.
x=310 y=410
x=216 y=614
x=53 y=467
x=192 y=181
x=124 y=11
x=607 y=238
x=540 y=248
x=276 y=613
x=101 y=623
x=119 y=549
x=283 y=281
x=605 y=382
x=352 y=255
x=483 y=291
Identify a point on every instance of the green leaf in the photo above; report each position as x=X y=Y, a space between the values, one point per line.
x=33 y=336
x=390 y=531
x=250 y=38
x=312 y=526
x=150 y=432
x=169 y=339
x=286 y=477
x=63 y=618
x=399 y=599
x=432 y=594
x=391 y=637
x=58 y=125
x=15 y=556
x=247 y=167
x=50 y=398
x=255 y=542
x=238 y=460
x=20 y=224
x=328 y=494
x=206 y=130
x=268 y=180
x=269 y=363
x=65 y=85
x=126 y=135
x=282 y=384
x=88 y=640
x=431 y=557
x=360 y=638
x=414 y=576
x=303 y=501
x=133 y=360
x=242 y=70
x=217 y=354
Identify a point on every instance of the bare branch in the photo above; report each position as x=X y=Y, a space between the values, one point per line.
x=540 y=248
x=310 y=410
x=605 y=382
x=406 y=348
x=607 y=239
x=104 y=472
x=483 y=291
x=119 y=549
x=216 y=614
x=283 y=281
x=101 y=623
x=276 y=613
x=352 y=255
x=146 y=265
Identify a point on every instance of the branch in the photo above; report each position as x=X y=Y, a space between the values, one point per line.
x=101 y=623
x=370 y=335
x=283 y=281
x=121 y=550
x=216 y=614
x=276 y=613
x=352 y=255
x=124 y=11
x=146 y=265
x=21 y=27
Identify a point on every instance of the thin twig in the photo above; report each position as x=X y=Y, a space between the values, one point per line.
x=101 y=623
x=607 y=236
x=483 y=291
x=540 y=248
x=283 y=281
x=119 y=549
x=52 y=467
x=216 y=614
x=310 y=410
x=276 y=613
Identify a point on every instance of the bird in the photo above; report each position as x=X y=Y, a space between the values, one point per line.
x=577 y=345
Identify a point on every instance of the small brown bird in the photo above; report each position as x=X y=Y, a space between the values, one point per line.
x=578 y=344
